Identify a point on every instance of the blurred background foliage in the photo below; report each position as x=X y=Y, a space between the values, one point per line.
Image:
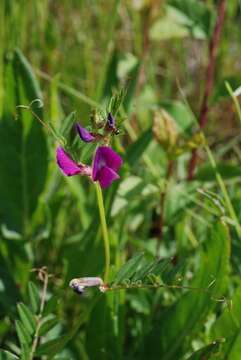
x=74 y=55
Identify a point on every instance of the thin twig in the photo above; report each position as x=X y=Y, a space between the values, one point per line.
x=171 y=286
x=213 y=48
x=162 y=202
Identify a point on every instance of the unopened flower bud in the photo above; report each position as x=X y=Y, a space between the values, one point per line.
x=165 y=129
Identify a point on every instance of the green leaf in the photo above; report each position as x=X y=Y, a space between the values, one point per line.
x=131 y=87
x=129 y=269
x=136 y=149
x=229 y=323
x=193 y=306
x=207 y=352
x=198 y=17
x=47 y=326
x=27 y=318
x=227 y=171
x=171 y=25
x=102 y=330
x=51 y=305
x=33 y=296
x=23 y=144
x=23 y=334
x=52 y=347
x=228 y=326
x=6 y=355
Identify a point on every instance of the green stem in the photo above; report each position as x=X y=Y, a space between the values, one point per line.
x=104 y=230
x=223 y=188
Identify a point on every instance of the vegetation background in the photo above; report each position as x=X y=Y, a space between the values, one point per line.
x=181 y=291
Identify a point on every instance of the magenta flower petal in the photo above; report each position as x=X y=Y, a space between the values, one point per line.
x=66 y=164
x=84 y=134
x=106 y=176
x=105 y=166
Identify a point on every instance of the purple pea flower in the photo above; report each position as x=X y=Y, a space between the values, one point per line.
x=105 y=165
x=84 y=134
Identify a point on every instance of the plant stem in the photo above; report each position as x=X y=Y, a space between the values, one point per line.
x=45 y=276
x=162 y=203
x=213 y=47
x=223 y=188
x=104 y=230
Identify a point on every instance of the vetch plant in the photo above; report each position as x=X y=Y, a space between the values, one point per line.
x=103 y=172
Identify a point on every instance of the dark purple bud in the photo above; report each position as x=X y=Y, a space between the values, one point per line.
x=111 y=121
x=105 y=166
x=84 y=134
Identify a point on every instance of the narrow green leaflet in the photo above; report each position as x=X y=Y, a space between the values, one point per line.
x=193 y=306
x=48 y=325
x=137 y=148
x=52 y=347
x=33 y=296
x=129 y=269
x=6 y=355
x=23 y=335
x=27 y=318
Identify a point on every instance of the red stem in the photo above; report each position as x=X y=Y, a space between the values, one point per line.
x=213 y=48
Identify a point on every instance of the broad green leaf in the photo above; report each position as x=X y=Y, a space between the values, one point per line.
x=128 y=269
x=226 y=170
x=33 y=296
x=171 y=25
x=199 y=19
x=193 y=306
x=126 y=64
x=102 y=337
x=6 y=355
x=24 y=145
x=9 y=292
x=137 y=148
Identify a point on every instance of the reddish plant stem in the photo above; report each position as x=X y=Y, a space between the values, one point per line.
x=213 y=48
x=162 y=202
